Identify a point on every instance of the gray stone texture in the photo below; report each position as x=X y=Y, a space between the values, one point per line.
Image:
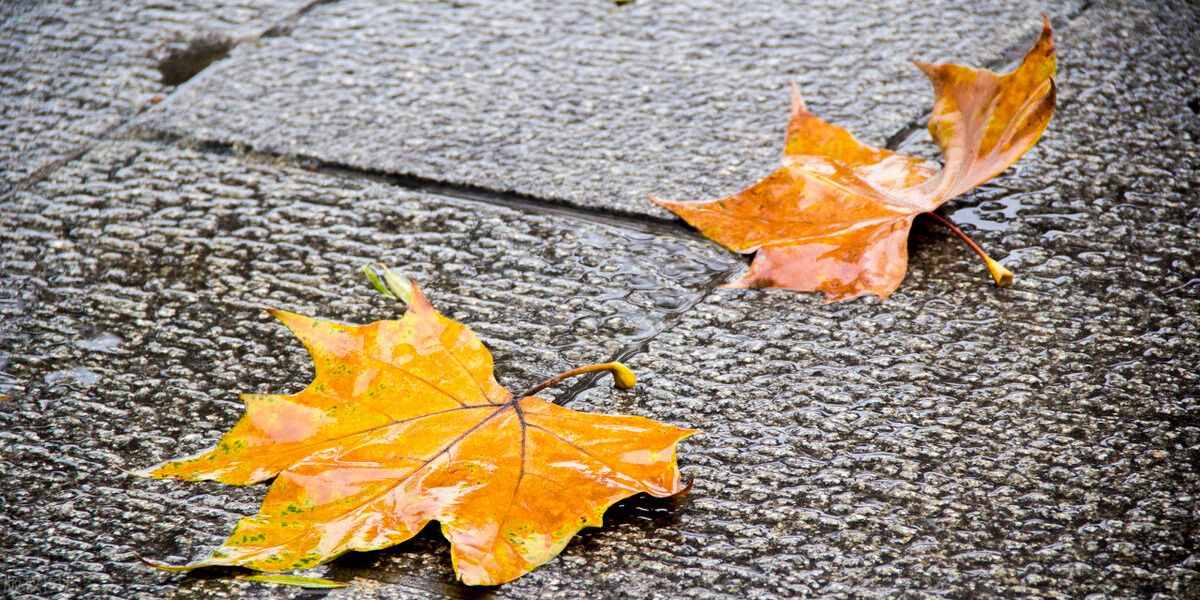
x=954 y=441
x=72 y=71
x=587 y=102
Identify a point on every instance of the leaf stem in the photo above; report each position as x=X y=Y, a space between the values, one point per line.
x=623 y=377
x=1002 y=276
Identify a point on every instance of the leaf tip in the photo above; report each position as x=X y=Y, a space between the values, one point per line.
x=277 y=313
x=798 y=105
x=1043 y=49
x=162 y=566
x=150 y=472
x=291 y=320
x=929 y=69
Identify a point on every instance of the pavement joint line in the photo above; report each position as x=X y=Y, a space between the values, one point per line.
x=518 y=201
x=41 y=173
x=464 y=192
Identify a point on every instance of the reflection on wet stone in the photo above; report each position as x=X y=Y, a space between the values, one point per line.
x=77 y=376
x=104 y=342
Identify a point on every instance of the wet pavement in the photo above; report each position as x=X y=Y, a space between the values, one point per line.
x=956 y=440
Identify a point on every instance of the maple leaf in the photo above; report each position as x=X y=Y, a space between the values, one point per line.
x=404 y=423
x=835 y=217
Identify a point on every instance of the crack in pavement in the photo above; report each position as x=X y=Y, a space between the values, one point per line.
x=631 y=349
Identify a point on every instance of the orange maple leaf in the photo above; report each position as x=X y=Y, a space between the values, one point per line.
x=404 y=423
x=835 y=217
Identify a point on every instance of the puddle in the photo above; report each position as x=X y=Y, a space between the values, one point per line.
x=183 y=63
x=7 y=380
x=77 y=376
x=104 y=342
x=991 y=215
x=7 y=383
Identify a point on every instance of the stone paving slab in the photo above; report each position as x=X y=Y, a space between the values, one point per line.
x=586 y=102
x=143 y=270
x=68 y=73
